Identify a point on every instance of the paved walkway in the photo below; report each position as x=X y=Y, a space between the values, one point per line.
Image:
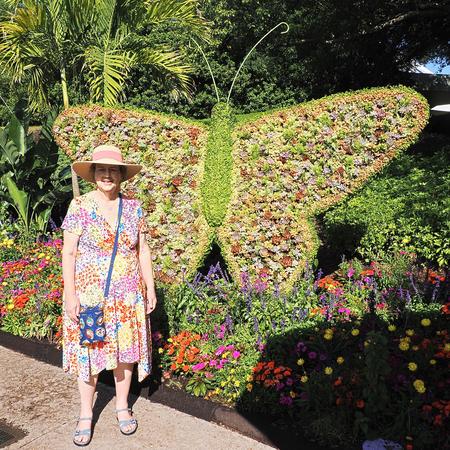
x=43 y=401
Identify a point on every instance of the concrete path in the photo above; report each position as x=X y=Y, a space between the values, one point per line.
x=43 y=401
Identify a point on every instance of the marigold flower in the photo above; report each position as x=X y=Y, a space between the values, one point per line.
x=300 y=362
x=340 y=360
x=160 y=350
x=355 y=332
x=304 y=379
x=432 y=362
x=292 y=394
x=403 y=345
x=409 y=332
x=425 y=322
x=412 y=366
x=419 y=386
x=392 y=327
x=249 y=387
x=328 y=370
x=328 y=336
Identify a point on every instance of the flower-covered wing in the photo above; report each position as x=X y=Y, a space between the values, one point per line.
x=171 y=151
x=291 y=164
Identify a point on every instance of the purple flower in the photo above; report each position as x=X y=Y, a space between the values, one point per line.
x=286 y=400
x=312 y=355
x=350 y=272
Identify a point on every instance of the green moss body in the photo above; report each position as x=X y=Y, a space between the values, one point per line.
x=216 y=186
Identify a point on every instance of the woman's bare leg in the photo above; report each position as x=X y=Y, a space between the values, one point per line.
x=87 y=391
x=122 y=378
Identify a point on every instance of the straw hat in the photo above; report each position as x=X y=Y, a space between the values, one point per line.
x=105 y=154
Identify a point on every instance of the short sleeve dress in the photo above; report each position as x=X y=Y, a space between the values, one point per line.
x=128 y=333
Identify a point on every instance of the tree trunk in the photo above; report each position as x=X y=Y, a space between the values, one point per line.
x=75 y=186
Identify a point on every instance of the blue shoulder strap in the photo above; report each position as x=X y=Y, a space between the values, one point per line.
x=108 y=280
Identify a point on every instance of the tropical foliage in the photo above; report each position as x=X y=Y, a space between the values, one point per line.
x=51 y=40
x=29 y=181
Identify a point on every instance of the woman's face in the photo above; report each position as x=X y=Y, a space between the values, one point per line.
x=107 y=177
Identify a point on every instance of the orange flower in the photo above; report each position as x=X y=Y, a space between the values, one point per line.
x=338 y=381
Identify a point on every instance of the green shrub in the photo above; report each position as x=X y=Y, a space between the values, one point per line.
x=406 y=207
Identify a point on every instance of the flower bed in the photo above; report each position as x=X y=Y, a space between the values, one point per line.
x=360 y=353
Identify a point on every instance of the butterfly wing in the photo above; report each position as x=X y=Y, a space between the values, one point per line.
x=291 y=164
x=172 y=152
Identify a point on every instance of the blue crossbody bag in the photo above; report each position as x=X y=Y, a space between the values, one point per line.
x=92 y=327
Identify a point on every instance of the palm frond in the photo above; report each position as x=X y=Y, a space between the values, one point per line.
x=183 y=12
x=173 y=68
x=108 y=67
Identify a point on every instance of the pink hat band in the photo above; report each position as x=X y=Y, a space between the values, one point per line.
x=107 y=154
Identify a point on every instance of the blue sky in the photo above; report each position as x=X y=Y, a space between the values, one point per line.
x=435 y=68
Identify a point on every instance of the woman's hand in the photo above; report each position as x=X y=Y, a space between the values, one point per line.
x=151 y=302
x=73 y=308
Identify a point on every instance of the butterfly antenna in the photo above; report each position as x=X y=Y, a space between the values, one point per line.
x=209 y=67
x=248 y=54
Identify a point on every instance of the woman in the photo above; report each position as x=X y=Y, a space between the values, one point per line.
x=89 y=234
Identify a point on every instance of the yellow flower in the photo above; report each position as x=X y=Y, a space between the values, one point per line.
x=406 y=339
x=340 y=360
x=292 y=394
x=410 y=332
x=249 y=387
x=47 y=257
x=355 y=332
x=419 y=386
x=329 y=331
x=169 y=340
x=366 y=343
x=232 y=370
x=403 y=345
x=328 y=336
x=328 y=370
x=249 y=377
x=41 y=255
x=447 y=348
x=4 y=283
x=223 y=383
x=237 y=383
x=304 y=379
x=392 y=327
x=300 y=362
x=160 y=350
x=415 y=348
x=412 y=366
x=425 y=322
x=10 y=306
x=432 y=362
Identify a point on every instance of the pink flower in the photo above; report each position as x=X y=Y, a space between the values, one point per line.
x=213 y=363
x=198 y=366
x=236 y=354
x=220 y=350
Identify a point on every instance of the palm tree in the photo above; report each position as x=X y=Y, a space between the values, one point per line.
x=41 y=41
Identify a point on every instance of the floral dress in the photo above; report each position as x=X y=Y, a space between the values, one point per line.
x=128 y=334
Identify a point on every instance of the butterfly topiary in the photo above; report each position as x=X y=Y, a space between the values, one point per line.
x=253 y=186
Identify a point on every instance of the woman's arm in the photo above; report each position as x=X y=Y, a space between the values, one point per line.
x=69 y=251
x=145 y=263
